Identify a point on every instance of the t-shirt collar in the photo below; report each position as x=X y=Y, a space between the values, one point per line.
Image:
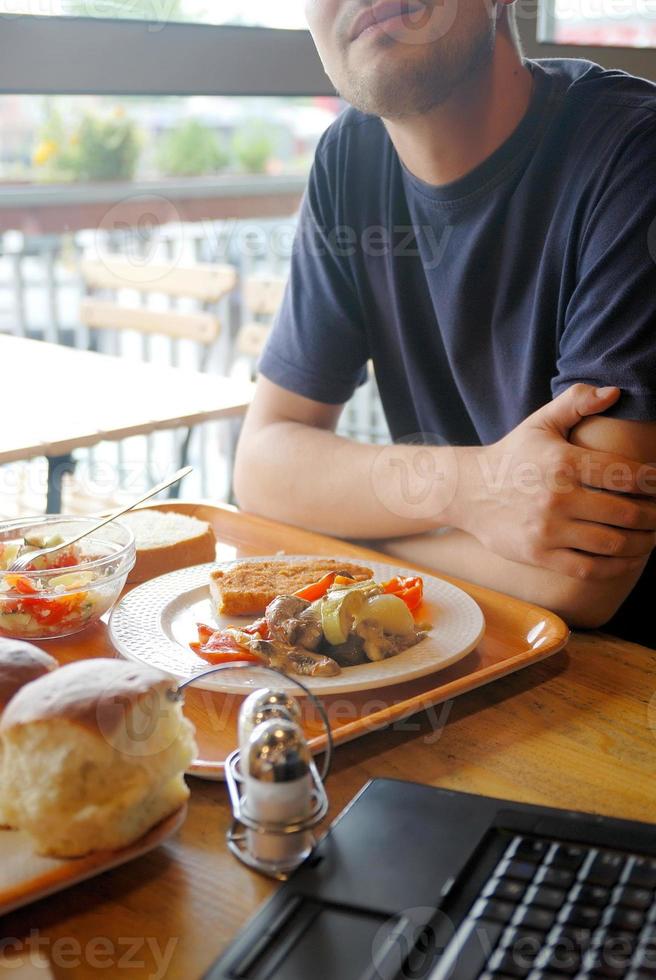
x=506 y=158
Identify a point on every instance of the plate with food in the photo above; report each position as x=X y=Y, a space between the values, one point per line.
x=336 y=625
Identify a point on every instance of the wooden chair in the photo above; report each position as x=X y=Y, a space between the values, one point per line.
x=261 y=299
x=205 y=284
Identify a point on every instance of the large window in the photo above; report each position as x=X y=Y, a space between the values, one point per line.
x=257 y=13
x=64 y=139
x=613 y=23
x=614 y=33
x=151 y=135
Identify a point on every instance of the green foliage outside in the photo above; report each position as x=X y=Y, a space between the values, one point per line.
x=192 y=150
x=107 y=149
x=253 y=147
x=98 y=148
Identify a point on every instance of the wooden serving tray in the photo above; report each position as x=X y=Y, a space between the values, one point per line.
x=517 y=634
x=26 y=877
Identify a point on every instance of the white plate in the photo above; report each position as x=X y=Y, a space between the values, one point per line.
x=26 y=877
x=155 y=623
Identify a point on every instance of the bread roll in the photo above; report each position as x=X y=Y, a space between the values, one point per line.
x=20 y=663
x=166 y=541
x=95 y=755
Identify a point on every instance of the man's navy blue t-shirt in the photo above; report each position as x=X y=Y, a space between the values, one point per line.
x=480 y=300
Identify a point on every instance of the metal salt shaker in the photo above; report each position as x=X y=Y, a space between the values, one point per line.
x=260 y=706
x=278 y=790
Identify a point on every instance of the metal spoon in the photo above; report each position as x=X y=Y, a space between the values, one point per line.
x=21 y=563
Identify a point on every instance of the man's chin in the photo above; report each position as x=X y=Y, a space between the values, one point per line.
x=395 y=80
x=390 y=94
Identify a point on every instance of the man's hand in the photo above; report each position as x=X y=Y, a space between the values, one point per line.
x=535 y=498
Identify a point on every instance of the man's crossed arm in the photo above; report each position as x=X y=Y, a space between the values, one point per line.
x=562 y=511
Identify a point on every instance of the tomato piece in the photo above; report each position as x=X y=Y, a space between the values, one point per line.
x=53 y=611
x=411 y=590
x=22 y=584
x=413 y=597
x=65 y=561
x=317 y=589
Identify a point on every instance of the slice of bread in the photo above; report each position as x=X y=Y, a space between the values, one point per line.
x=247 y=588
x=166 y=541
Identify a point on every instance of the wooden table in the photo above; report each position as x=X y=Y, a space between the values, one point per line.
x=77 y=399
x=577 y=730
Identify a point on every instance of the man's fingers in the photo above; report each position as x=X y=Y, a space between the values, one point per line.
x=585 y=567
x=616 y=510
x=610 y=542
x=579 y=401
x=606 y=471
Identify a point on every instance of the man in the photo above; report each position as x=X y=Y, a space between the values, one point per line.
x=479 y=227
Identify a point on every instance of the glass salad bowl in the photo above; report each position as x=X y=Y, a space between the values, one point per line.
x=65 y=592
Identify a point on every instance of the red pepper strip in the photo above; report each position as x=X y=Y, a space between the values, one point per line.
x=223 y=648
x=204 y=632
x=259 y=628
x=226 y=652
x=21 y=584
x=221 y=641
x=317 y=589
x=411 y=590
x=226 y=658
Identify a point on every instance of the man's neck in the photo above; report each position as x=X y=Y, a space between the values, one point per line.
x=455 y=137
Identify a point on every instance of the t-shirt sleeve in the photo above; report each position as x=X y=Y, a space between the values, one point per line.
x=610 y=321
x=317 y=346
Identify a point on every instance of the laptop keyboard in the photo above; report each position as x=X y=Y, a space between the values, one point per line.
x=554 y=911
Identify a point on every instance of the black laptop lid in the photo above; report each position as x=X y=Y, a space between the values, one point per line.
x=393 y=860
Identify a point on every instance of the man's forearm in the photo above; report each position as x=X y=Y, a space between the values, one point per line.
x=453 y=552
x=315 y=479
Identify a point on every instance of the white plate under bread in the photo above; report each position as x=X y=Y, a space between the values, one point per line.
x=26 y=876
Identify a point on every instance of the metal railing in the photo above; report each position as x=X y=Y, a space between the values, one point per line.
x=41 y=288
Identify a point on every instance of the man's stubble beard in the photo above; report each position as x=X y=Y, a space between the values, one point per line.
x=422 y=84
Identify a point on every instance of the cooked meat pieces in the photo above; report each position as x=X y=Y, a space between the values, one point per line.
x=379 y=645
x=294 y=660
x=291 y=620
x=310 y=664
x=349 y=654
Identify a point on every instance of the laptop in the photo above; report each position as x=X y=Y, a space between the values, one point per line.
x=414 y=882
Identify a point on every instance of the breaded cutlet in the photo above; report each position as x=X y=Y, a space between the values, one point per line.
x=247 y=588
